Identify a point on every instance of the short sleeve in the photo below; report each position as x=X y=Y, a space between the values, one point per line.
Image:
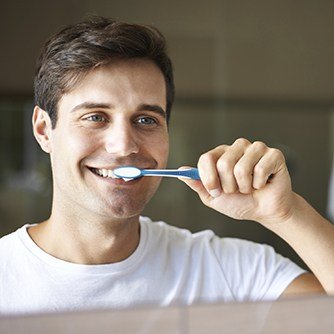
x=254 y=271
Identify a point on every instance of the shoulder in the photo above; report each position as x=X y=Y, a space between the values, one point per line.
x=248 y=255
x=255 y=271
x=8 y=240
x=8 y=248
x=10 y=243
x=240 y=247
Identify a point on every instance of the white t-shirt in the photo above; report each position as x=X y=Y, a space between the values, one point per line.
x=171 y=266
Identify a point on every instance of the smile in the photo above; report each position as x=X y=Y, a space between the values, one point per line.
x=107 y=173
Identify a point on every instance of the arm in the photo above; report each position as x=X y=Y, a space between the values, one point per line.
x=251 y=181
x=312 y=237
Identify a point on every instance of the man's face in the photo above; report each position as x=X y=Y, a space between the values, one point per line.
x=115 y=116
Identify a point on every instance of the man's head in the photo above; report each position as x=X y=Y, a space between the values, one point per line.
x=101 y=103
x=70 y=55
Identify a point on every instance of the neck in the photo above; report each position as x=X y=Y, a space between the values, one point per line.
x=88 y=241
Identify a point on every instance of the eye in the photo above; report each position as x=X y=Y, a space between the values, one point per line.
x=146 y=121
x=96 y=118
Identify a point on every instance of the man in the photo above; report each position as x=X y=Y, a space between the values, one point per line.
x=104 y=92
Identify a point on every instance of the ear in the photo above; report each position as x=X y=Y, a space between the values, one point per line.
x=42 y=128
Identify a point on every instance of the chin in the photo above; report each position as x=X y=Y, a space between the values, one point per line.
x=120 y=203
x=120 y=208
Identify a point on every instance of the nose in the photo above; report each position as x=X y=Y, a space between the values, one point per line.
x=121 y=140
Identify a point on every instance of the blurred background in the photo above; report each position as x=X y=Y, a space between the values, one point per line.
x=262 y=70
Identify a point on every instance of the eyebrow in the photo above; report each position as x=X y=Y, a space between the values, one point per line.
x=142 y=107
x=91 y=105
x=154 y=108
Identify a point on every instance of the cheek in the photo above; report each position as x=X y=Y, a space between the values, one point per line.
x=73 y=146
x=160 y=150
x=80 y=145
x=166 y=152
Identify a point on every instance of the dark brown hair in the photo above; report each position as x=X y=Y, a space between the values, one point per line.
x=68 y=56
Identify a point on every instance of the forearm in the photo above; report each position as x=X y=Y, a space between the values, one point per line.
x=312 y=237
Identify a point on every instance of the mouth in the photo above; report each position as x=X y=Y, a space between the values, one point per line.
x=108 y=174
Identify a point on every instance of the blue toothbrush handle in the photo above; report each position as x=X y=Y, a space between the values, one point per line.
x=191 y=173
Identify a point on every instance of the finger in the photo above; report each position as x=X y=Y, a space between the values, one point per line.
x=207 y=167
x=244 y=169
x=270 y=164
x=227 y=162
x=197 y=186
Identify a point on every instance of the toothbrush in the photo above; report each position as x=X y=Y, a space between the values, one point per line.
x=131 y=172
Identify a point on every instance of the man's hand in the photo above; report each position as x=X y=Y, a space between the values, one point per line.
x=245 y=181
x=251 y=181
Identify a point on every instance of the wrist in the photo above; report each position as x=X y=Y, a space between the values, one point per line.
x=301 y=216
x=288 y=214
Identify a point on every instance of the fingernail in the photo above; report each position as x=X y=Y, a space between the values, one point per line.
x=215 y=192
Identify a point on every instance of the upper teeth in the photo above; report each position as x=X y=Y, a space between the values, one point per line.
x=106 y=173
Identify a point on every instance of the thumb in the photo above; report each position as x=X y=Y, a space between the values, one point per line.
x=197 y=186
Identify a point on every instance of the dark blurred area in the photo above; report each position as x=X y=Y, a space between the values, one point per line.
x=262 y=70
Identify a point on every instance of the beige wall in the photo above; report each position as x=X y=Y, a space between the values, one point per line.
x=239 y=49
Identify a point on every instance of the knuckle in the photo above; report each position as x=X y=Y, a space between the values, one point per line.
x=205 y=159
x=242 y=142
x=277 y=154
x=259 y=146
x=222 y=147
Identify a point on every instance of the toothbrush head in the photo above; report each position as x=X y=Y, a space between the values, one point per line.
x=127 y=173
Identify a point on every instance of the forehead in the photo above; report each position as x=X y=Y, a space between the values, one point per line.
x=122 y=81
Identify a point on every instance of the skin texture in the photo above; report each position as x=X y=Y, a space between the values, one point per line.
x=116 y=116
